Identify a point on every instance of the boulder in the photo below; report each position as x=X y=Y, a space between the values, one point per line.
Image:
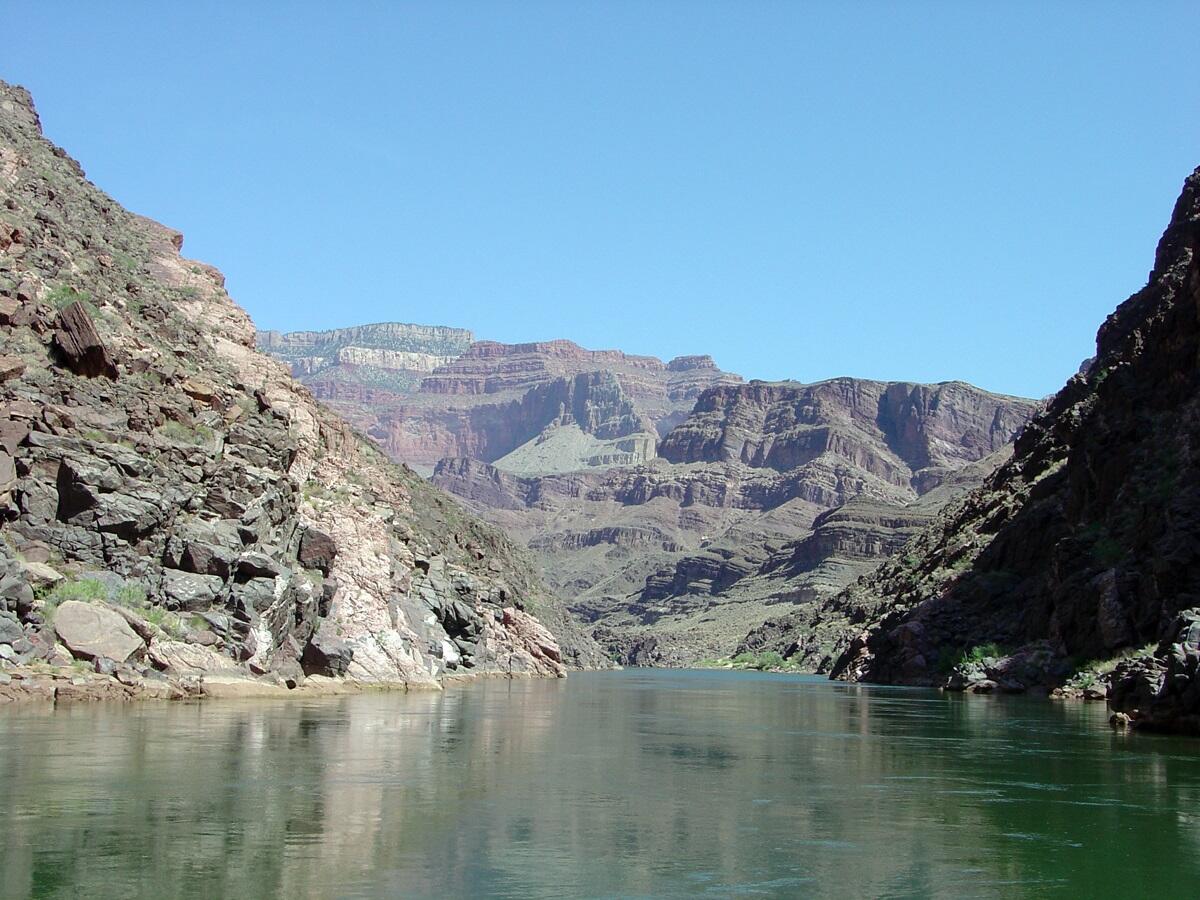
x=255 y=595
x=188 y=659
x=8 y=472
x=206 y=548
x=200 y=389
x=189 y=591
x=15 y=592
x=80 y=345
x=11 y=367
x=257 y=565
x=81 y=482
x=37 y=573
x=128 y=516
x=326 y=655
x=10 y=629
x=90 y=631
x=12 y=433
x=317 y=550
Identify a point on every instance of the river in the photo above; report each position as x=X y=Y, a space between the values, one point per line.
x=642 y=783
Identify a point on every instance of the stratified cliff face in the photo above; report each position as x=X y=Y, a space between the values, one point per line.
x=675 y=559
x=1088 y=541
x=173 y=502
x=490 y=399
x=354 y=370
x=895 y=431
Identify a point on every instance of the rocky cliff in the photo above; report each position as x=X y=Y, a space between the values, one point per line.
x=174 y=506
x=485 y=400
x=675 y=559
x=1085 y=546
x=352 y=370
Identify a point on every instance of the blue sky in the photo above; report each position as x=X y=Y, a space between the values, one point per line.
x=920 y=191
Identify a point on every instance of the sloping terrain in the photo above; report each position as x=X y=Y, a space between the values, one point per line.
x=174 y=502
x=1084 y=546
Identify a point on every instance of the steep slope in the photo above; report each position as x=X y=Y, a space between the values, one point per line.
x=1086 y=544
x=172 y=501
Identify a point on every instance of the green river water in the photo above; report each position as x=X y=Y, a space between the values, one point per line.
x=640 y=783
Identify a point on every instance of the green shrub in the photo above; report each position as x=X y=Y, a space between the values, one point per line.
x=88 y=590
x=64 y=295
x=131 y=595
x=166 y=621
x=979 y=653
x=946 y=661
x=760 y=661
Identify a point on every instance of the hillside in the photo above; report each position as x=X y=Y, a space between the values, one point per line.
x=1084 y=547
x=175 y=504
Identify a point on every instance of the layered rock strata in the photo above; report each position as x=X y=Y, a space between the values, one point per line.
x=768 y=494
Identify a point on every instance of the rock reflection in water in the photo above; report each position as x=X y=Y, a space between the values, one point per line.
x=613 y=784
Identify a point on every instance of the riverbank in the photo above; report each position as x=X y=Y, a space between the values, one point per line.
x=28 y=684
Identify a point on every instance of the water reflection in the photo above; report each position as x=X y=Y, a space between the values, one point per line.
x=635 y=784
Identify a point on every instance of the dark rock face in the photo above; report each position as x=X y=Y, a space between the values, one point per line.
x=154 y=465
x=1089 y=538
x=1162 y=692
x=80 y=345
x=317 y=550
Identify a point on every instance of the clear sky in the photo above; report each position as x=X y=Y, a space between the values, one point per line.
x=921 y=191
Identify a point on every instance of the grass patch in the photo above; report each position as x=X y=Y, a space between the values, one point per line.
x=131 y=596
x=64 y=295
x=125 y=261
x=165 y=621
x=87 y=590
x=979 y=653
x=1106 y=549
x=180 y=433
x=761 y=662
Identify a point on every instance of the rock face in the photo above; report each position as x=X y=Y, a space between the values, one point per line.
x=349 y=367
x=158 y=474
x=1087 y=540
x=429 y=393
x=736 y=515
x=1162 y=691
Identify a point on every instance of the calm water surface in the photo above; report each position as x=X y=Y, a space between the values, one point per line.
x=629 y=784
